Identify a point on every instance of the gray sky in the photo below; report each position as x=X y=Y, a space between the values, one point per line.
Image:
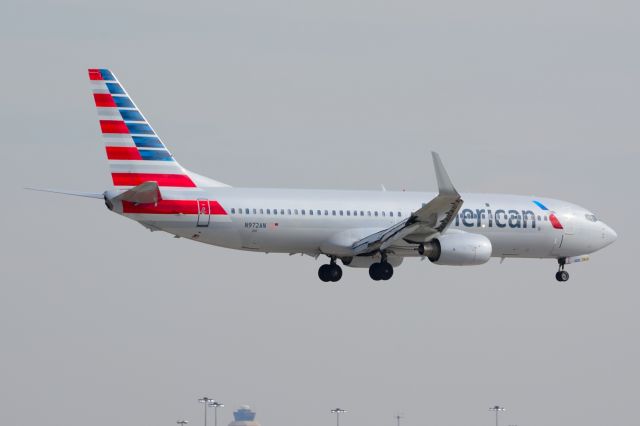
x=104 y=323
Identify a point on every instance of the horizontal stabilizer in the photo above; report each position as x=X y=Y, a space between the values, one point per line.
x=145 y=193
x=98 y=195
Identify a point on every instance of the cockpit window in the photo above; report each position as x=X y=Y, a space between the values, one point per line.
x=591 y=217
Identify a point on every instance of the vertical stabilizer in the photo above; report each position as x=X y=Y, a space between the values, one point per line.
x=135 y=152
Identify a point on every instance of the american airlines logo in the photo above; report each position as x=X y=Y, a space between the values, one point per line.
x=503 y=218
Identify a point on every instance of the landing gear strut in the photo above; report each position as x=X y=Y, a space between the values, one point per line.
x=562 y=275
x=331 y=272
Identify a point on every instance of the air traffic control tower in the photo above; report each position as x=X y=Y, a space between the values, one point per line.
x=243 y=416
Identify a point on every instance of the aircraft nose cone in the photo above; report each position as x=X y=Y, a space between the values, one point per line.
x=608 y=235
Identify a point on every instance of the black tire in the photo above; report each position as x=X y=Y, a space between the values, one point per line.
x=562 y=276
x=387 y=271
x=323 y=273
x=375 y=272
x=335 y=272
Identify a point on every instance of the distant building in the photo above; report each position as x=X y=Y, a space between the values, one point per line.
x=243 y=416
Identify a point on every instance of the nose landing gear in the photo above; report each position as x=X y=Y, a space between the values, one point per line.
x=562 y=275
x=331 y=272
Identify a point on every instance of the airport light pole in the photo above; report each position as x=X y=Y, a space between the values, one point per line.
x=337 y=411
x=215 y=405
x=205 y=401
x=398 y=417
x=182 y=422
x=497 y=409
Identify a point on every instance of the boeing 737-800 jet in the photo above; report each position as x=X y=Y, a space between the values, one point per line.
x=362 y=229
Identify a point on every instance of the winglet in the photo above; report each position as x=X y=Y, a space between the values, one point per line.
x=445 y=187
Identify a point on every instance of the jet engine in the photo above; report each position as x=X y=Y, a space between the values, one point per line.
x=458 y=249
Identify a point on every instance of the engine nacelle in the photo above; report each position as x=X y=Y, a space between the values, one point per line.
x=459 y=249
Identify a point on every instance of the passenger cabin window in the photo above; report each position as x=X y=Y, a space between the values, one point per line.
x=348 y=213
x=368 y=212
x=311 y=212
x=303 y=213
x=399 y=214
x=334 y=212
x=391 y=214
x=275 y=211
x=281 y=211
x=261 y=211
x=326 y=212
x=254 y=211
x=233 y=211
x=295 y=211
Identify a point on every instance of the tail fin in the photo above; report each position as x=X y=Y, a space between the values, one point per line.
x=134 y=151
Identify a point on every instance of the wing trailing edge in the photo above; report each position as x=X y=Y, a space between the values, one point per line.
x=431 y=219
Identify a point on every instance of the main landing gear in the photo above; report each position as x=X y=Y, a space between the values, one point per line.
x=562 y=275
x=331 y=272
x=381 y=271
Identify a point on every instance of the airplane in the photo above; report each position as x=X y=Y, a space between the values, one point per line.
x=361 y=229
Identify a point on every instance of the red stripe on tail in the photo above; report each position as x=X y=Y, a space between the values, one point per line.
x=95 y=74
x=122 y=153
x=104 y=100
x=113 y=126
x=134 y=179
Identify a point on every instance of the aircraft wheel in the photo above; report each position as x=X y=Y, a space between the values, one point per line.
x=387 y=270
x=323 y=273
x=562 y=276
x=375 y=271
x=335 y=272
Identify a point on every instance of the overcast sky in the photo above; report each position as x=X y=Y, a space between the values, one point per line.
x=103 y=323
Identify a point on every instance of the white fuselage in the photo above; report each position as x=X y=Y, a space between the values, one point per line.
x=329 y=221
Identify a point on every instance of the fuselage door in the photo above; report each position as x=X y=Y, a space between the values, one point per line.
x=203 y=212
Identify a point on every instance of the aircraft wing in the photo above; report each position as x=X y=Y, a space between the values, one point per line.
x=431 y=219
